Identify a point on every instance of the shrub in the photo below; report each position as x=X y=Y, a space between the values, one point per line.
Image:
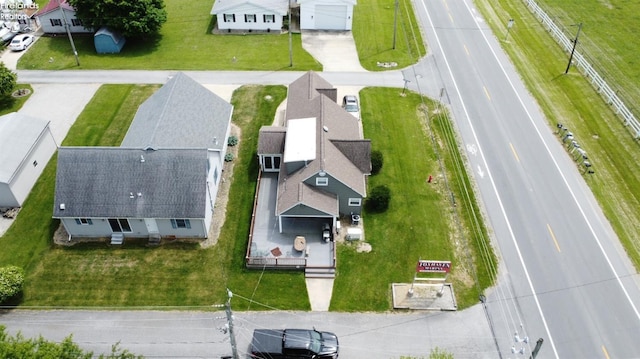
x=228 y=157
x=376 y=162
x=11 y=280
x=232 y=141
x=379 y=199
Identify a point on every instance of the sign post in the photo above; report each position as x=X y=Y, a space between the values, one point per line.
x=431 y=266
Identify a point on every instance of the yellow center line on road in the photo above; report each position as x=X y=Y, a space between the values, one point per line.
x=451 y=18
x=465 y=49
x=604 y=350
x=515 y=154
x=446 y=5
x=553 y=236
x=486 y=92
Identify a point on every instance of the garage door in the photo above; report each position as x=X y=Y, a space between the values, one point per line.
x=331 y=17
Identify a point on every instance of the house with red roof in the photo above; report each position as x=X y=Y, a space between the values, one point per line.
x=53 y=16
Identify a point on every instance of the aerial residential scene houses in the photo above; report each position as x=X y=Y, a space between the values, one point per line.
x=350 y=176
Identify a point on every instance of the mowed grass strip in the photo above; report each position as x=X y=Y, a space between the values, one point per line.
x=373 y=31
x=185 y=43
x=570 y=100
x=419 y=223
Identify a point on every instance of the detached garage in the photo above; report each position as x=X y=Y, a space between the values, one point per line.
x=326 y=14
x=26 y=145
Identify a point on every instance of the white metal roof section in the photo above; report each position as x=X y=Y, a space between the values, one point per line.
x=300 y=142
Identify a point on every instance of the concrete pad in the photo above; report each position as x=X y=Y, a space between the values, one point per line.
x=319 y=291
x=224 y=91
x=335 y=50
x=422 y=296
x=60 y=104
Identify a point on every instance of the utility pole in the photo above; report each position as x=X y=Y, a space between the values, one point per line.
x=234 y=347
x=573 y=49
x=395 y=23
x=509 y=26
x=535 y=351
x=66 y=25
x=290 y=39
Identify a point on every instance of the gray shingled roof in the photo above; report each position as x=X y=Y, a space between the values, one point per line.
x=271 y=139
x=309 y=196
x=181 y=114
x=18 y=134
x=340 y=151
x=100 y=181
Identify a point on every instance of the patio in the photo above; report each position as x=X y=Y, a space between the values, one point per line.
x=270 y=248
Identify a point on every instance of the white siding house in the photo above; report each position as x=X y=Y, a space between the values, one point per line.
x=26 y=145
x=326 y=14
x=161 y=182
x=52 y=18
x=250 y=15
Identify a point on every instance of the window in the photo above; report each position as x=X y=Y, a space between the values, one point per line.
x=180 y=223
x=355 y=201
x=249 y=18
x=269 y=18
x=84 y=221
x=119 y=225
x=56 y=22
x=76 y=22
x=229 y=18
x=322 y=181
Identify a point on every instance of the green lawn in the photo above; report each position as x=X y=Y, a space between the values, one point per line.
x=570 y=99
x=185 y=43
x=373 y=29
x=10 y=104
x=185 y=275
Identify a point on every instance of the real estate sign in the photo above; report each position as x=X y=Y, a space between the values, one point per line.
x=429 y=266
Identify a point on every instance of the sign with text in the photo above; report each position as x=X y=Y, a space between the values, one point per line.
x=427 y=266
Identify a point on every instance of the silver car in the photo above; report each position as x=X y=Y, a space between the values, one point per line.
x=350 y=104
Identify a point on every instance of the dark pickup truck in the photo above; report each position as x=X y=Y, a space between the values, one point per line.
x=293 y=343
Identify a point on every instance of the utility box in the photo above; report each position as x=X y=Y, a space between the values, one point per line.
x=354 y=234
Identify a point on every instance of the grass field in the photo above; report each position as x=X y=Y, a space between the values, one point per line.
x=570 y=99
x=420 y=223
x=185 y=43
x=373 y=29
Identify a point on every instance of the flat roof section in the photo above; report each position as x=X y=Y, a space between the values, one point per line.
x=300 y=142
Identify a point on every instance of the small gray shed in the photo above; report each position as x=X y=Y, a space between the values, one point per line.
x=108 y=41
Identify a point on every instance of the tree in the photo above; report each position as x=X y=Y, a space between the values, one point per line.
x=11 y=280
x=139 y=18
x=20 y=347
x=7 y=80
x=379 y=199
x=376 y=162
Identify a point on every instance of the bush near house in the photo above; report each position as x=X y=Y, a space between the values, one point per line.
x=379 y=199
x=11 y=280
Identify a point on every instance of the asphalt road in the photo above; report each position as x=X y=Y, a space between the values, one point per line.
x=565 y=278
x=197 y=334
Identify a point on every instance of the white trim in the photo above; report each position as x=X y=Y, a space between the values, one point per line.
x=322 y=181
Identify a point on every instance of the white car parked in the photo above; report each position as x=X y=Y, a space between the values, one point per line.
x=21 y=42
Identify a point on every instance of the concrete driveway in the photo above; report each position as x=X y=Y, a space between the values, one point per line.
x=335 y=50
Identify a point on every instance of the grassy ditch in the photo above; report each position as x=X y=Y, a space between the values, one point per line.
x=570 y=100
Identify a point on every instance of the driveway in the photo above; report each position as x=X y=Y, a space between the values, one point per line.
x=335 y=50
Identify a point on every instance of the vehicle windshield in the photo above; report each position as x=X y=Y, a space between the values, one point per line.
x=316 y=341
x=351 y=108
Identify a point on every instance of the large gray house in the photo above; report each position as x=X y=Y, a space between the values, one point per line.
x=320 y=156
x=161 y=182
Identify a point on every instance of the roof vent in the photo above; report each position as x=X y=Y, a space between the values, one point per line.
x=141 y=159
x=62 y=206
x=131 y=195
x=139 y=194
x=325 y=128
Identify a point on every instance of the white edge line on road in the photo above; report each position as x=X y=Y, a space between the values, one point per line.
x=564 y=179
x=504 y=214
